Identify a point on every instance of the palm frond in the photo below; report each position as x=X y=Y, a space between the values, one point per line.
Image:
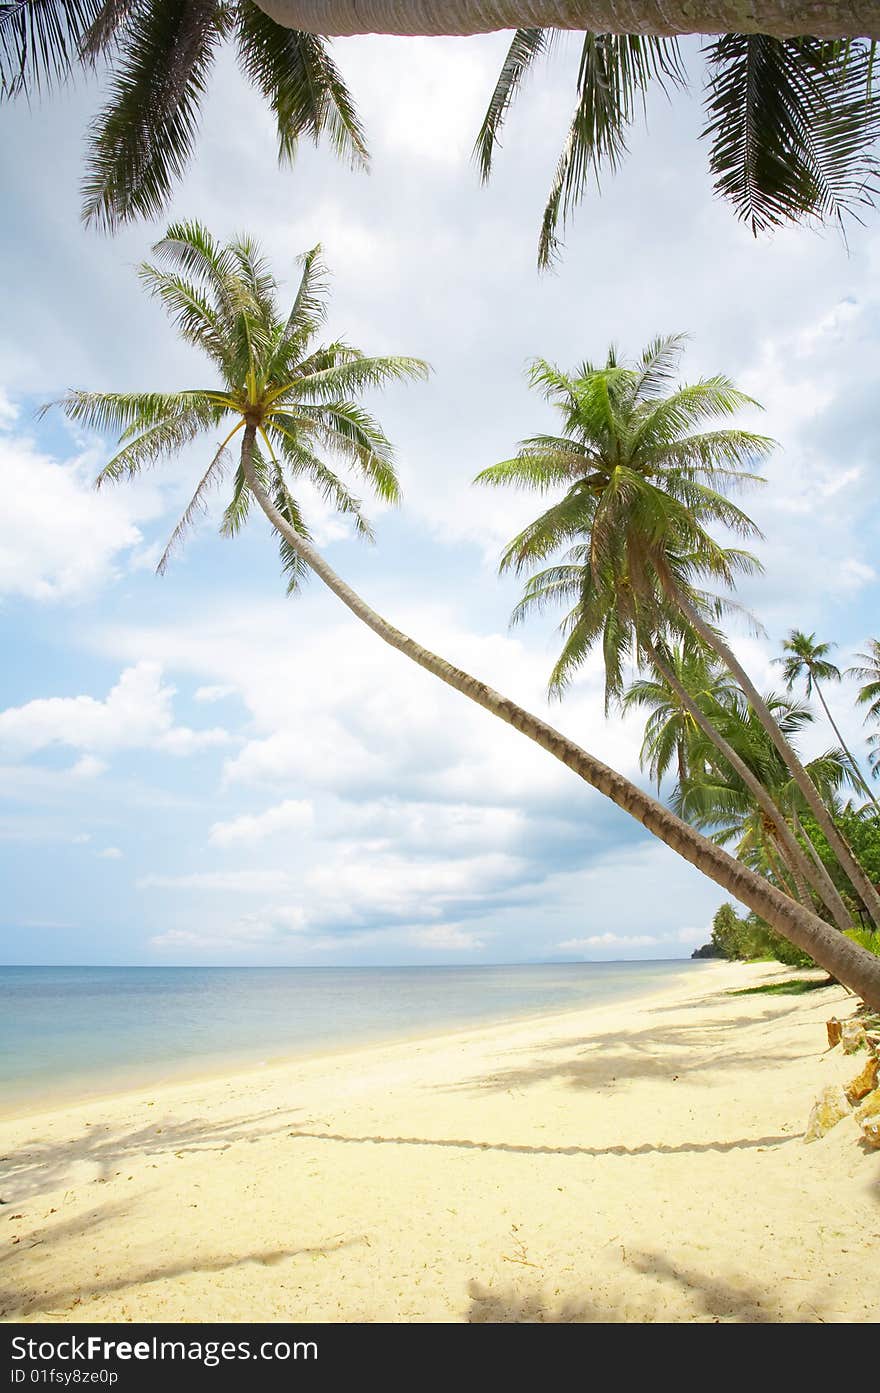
x=212 y=478
x=41 y=41
x=791 y=126
x=304 y=88
x=615 y=73
x=142 y=140
x=526 y=47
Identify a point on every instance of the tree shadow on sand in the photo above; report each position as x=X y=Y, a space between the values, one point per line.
x=44 y=1165
x=696 y=1051
x=711 y=1299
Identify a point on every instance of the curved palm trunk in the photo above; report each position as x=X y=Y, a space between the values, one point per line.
x=821 y=868
x=832 y=19
x=837 y=954
x=777 y=859
x=843 y=745
x=794 y=855
x=857 y=875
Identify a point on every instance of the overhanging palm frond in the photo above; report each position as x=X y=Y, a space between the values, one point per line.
x=791 y=125
x=615 y=73
x=41 y=41
x=526 y=47
x=142 y=141
x=297 y=76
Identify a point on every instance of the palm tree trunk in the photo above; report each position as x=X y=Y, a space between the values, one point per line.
x=795 y=856
x=777 y=858
x=831 y=19
x=857 y=875
x=821 y=868
x=837 y=954
x=843 y=745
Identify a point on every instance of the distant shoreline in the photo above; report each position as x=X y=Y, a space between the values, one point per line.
x=117 y=1066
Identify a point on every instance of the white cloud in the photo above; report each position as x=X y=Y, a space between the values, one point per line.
x=137 y=713
x=110 y=853
x=289 y=816
x=59 y=539
x=211 y=694
x=87 y=767
x=257 y=882
x=607 y=940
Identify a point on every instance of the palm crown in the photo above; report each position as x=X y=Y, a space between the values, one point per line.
x=804 y=658
x=291 y=398
x=642 y=483
x=160 y=54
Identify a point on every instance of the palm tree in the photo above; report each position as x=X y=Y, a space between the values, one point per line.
x=868 y=669
x=670 y=729
x=804 y=658
x=285 y=397
x=641 y=486
x=751 y=798
x=707 y=706
x=159 y=55
x=791 y=121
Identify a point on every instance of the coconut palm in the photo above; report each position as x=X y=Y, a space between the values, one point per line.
x=805 y=659
x=670 y=729
x=645 y=470
x=286 y=397
x=790 y=121
x=867 y=669
x=292 y=399
x=159 y=55
x=716 y=794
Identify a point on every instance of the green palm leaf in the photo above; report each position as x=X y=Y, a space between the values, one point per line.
x=791 y=123
x=301 y=83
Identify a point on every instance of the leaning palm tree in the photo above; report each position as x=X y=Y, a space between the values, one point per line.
x=159 y=55
x=722 y=794
x=670 y=729
x=645 y=470
x=285 y=398
x=867 y=669
x=690 y=694
x=805 y=659
x=791 y=121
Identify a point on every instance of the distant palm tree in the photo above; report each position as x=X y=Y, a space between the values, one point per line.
x=721 y=797
x=159 y=54
x=641 y=485
x=791 y=121
x=287 y=398
x=699 y=700
x=868 y=669
x=804 y=658
x=670 y=729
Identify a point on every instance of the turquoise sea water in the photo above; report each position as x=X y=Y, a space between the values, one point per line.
x=87 y=1030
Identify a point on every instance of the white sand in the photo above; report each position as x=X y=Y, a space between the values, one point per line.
x=633 y=1162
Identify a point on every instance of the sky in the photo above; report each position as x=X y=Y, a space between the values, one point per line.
x=197 y=769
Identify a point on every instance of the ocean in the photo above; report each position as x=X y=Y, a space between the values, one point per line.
x=84 y=1031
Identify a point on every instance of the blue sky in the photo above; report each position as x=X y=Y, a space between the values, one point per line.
x=197 y=769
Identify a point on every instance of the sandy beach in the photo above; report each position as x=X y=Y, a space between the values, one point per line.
x=634 y=1162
